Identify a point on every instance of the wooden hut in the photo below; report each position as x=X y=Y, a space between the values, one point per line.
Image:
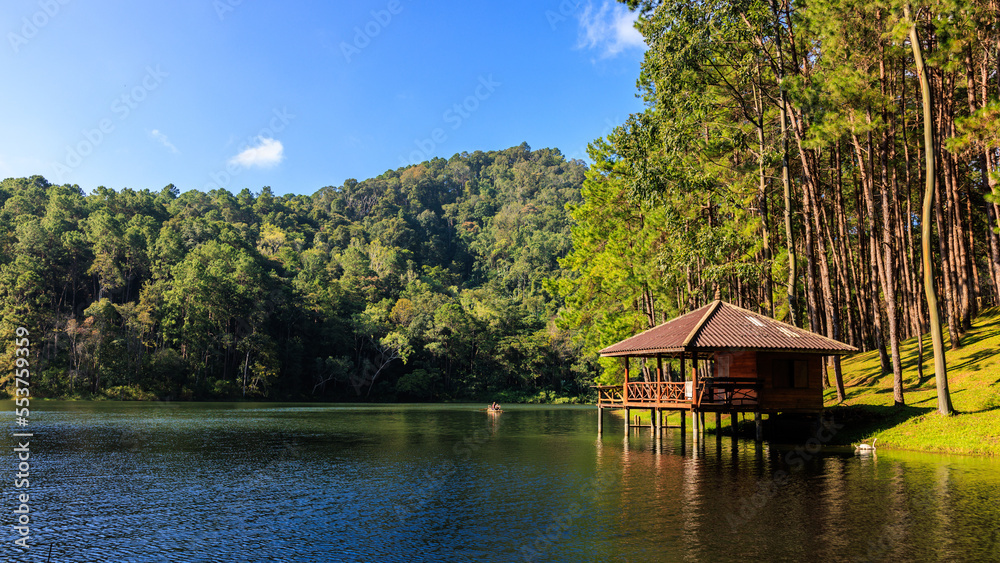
x=731 y=360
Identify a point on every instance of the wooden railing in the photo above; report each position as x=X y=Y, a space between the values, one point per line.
x=731 y=391
x=663 y=392
x=720 y=391
x=609 y=394
x=644 y=392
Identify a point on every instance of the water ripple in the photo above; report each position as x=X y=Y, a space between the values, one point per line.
x=262 y=483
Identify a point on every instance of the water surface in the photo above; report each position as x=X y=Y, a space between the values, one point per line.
x=261 y=482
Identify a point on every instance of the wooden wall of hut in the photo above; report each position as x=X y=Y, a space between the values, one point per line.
x=792 y=382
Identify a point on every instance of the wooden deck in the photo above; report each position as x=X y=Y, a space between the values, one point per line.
x=712 y=395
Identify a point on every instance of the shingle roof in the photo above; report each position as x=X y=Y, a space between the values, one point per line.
x=720 y=325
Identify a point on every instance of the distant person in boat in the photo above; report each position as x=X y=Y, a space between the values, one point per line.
x=495 y=406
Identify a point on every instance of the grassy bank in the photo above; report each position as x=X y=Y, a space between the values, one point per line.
x=974 y=378
x=868 y=411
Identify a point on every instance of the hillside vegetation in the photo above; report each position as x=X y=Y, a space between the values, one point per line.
x=425 y=283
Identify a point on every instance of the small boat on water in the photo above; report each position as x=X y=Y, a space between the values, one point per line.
x=494 y=411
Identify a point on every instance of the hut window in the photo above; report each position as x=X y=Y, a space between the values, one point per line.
x=801 y=377
x=790 y=373
x=722 y=363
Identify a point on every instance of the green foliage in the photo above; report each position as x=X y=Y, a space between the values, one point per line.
x=806 y=114
x=426 y=283
x=419 y=384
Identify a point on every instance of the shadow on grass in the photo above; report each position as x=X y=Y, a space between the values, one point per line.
x=974 y=336
x=986 y=324
x=871 y=378
x=982 y=410
x=911 y=360
x=864 y=421
x=875 y=377
x=972 y=363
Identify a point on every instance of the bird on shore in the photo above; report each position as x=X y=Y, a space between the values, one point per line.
x=866 y=447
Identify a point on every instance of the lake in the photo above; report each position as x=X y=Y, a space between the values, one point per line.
x=253 y=482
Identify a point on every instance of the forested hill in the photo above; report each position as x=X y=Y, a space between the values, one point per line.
x=424 y=283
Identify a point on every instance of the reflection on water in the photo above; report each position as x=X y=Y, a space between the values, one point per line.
x=277 y=482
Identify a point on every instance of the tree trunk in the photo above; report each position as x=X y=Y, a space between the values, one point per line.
x=990 y=161
x=810 y=262
x=940 y=368
x=766 y=254
x=888 y=276
x=786 y=182
x=874 y=275
x=848 y=277
x=829 y=305
x=942 y=215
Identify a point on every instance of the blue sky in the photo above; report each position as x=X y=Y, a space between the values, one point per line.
x=302 y=94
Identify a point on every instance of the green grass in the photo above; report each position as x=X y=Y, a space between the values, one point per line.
x=974 y=379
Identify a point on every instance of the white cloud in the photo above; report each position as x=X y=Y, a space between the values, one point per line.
x=266 y=154
x=156 y=134
x=610 y=29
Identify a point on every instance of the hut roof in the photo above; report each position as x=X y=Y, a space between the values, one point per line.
x=723 y=326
